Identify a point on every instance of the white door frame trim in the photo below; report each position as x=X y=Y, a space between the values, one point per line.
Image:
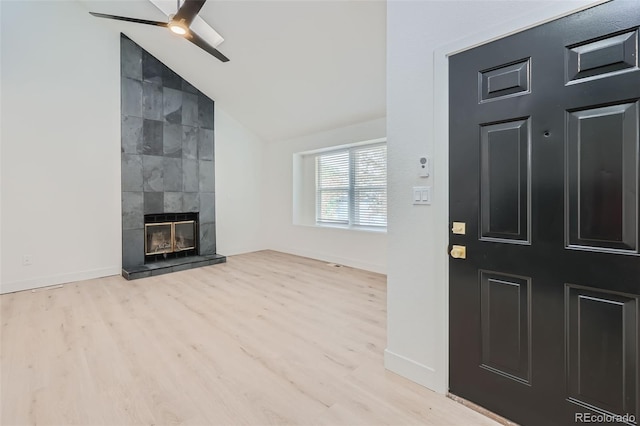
x=440 y=138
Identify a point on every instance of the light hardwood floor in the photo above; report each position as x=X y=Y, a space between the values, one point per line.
x=264 y=339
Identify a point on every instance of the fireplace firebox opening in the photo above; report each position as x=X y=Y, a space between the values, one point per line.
x=170 y=236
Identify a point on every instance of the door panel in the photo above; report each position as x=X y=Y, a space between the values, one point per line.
x=544 y=172
x=506 y=80
x=506 y=324
x=607 y=55
x=603 y=177
x=602 y=351
x=504 y=181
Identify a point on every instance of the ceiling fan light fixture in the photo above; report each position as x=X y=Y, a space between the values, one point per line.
x=178 y=27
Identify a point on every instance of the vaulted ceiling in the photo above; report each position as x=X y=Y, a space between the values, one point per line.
x=297 y=67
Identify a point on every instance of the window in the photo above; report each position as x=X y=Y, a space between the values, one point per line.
x=351 y=186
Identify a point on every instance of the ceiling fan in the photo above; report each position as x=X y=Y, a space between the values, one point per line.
x=178 y=23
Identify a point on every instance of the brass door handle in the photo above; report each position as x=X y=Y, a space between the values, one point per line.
x=459 y=252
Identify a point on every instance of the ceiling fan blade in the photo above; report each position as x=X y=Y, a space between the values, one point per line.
x=134 y=20
x=201 y=43
x=188 y=11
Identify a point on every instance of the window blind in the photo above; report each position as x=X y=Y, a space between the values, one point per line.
x=369 y=177
x=351 y=186
x=332 y=202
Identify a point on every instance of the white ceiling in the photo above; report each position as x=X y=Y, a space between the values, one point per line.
x=297 y=67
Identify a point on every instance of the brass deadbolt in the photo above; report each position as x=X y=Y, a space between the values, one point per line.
x=459 y=228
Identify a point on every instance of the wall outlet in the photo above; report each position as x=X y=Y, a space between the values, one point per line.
x=27 y=260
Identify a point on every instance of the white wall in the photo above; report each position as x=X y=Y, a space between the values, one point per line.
x=60 y=150
x=241 y=219
x=60 y=145
x=360 y=249
x=419 y=35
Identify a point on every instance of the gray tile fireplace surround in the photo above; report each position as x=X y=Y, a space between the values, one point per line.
x=167 y=159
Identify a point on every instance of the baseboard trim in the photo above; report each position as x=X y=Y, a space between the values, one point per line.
x=234 y=251
x=325 y=257
x=39 y=282
x=414 y=371
x=475 y=407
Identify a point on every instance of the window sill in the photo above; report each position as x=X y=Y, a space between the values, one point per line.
x=371 y=229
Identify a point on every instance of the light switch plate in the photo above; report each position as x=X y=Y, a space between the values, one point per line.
x=421 y=195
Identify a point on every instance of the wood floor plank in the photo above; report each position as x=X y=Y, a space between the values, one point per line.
x=265 y=339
